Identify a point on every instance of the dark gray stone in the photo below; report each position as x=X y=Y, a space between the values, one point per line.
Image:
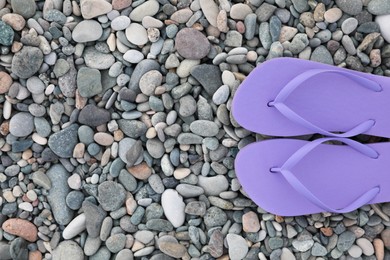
x=209 y=76
x=63 y=142
x=92 y=115
x=27 y=62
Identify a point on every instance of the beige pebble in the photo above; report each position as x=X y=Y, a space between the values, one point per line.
x=105 y=157
x=35 y=255
x=74 y=181
x=181 y=173
x=131 y=205
x=16 y=46
x=375 y=58
x=16 y=21
x=379 y=249
x=79 y=150
x=103 y=139
x=39 y=139
x=366 y=246
x=251 y=56
x=137 y=245
x=5 y=82
x=111 y=42
x=27 y=154
x=333 y=15
x=222 y=21
x=8 y=196
x=118 y=135
x=250 y=222
x=151 y=133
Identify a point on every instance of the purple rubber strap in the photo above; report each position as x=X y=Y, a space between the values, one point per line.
x=365 y=198
x=298 y=80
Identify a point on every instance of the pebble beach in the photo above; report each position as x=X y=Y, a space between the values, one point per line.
x=116 y=134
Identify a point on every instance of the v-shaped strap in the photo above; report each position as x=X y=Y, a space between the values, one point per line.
x=294 y=159
x=298 y=80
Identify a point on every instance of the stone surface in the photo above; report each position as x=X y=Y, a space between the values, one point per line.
x=63 y=142
x=94 y=8
x=173 y=206
x=68 y=250
x=111 y=195
x=57 y=194
x=27 y=62
x=192 y=44
x=237 y=246
x=87 y=31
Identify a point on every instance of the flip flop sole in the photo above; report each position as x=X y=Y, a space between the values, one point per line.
x=331 y=101
x=336 y=174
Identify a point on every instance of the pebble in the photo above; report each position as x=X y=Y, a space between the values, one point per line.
x=383 y=21
x=299 y=43
x=89 y=82
x=58 y=177
x=136 y=34
x=185 y=46
x=24 y=8
x=94 y=8
x=87 y=31
x=210 y=10
x=148 y=8
x=94 y=218
x=213 y=186
x=345 y=241
x=287 y=33
x=111 y=195
x=333 y=15
x=133 y=56
x=68 y=249
x=170 y=246
x=97 y=60
x=237 y=245
x=16 y=21
x=204 y=128
x=240 y=11
x=349 y=25
x=93 y=116
x=63 y=142
x=21 y=124
x=209 y=76
x=173 y=206
x=321 y=54
x=351 y=7
x=27 y=62
x=150 y=81
x=21 y=228
x=75 y=227
x=378 y=7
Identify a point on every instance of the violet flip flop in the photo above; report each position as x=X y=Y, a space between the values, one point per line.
x=290 y=97
x=291 y=177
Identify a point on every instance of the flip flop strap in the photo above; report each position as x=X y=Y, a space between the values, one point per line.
x=303 y=190
x=298 y=80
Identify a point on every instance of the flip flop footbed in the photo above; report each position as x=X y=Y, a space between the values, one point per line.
x=336 y=174
x=331 y=101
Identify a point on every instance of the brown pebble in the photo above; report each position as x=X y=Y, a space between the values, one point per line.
x=327 y=231
x=35 y=255
x=319 y=12
x=16 y=46
x=141 y=171
x=21 y=228
x=78 y=151
x=379 y=249
x=5 y=82
x=279 y=219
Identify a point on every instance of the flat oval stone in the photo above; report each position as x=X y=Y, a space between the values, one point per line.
x=87 y=31
x=21 y=124
x=120 y=23
x=192 y=44
x=133 y=56
x=136 y=34
x=27 y=62
x=148 y=8
x=204 y=128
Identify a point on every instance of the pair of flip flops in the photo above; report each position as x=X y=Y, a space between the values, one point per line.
x=291 y=97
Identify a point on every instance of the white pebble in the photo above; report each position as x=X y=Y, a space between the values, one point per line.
x=26 y=206
x=75 y=227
